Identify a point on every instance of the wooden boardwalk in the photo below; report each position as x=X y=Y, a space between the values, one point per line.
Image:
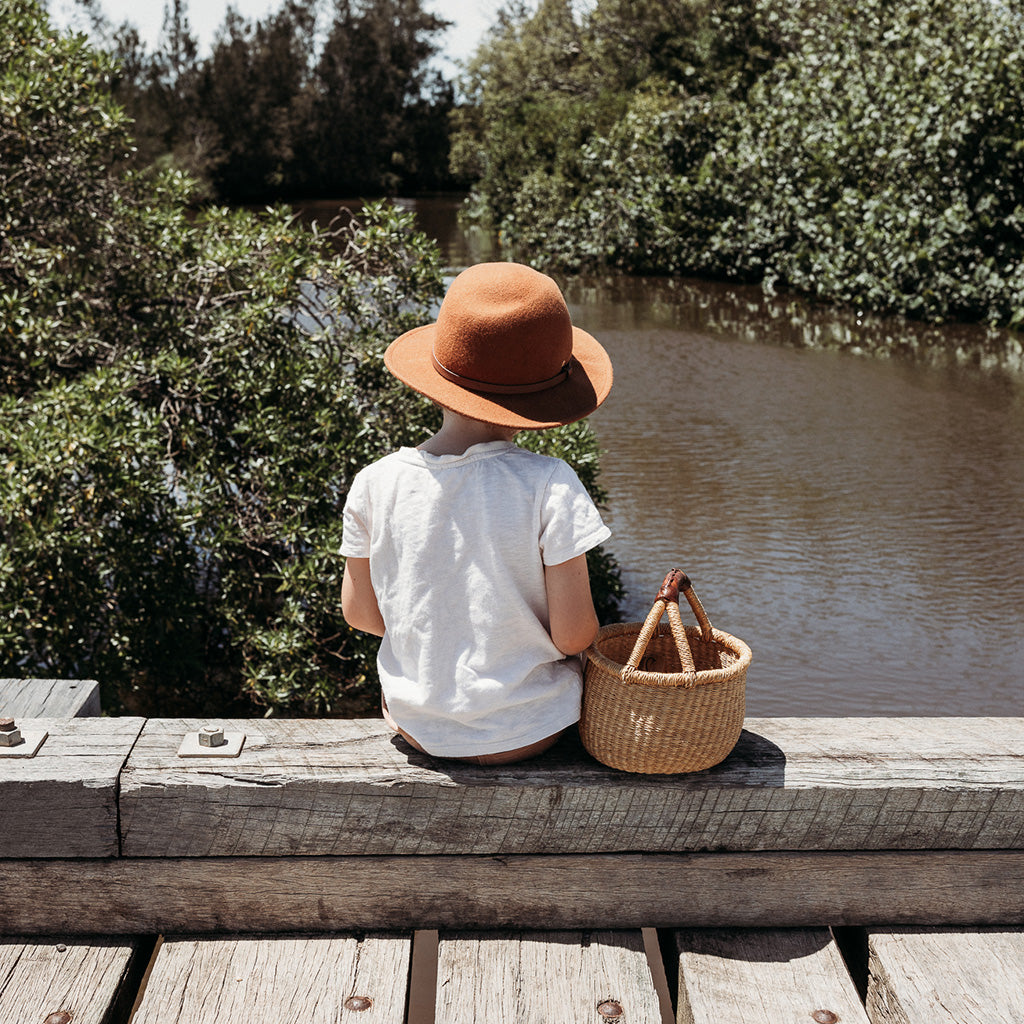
x=867 y=870
x=755 y=976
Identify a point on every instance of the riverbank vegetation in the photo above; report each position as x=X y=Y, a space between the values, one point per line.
x=869 y=154
x=185 y=393
x=316 y=99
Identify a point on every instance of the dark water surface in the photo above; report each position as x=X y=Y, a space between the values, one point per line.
x=857 y=520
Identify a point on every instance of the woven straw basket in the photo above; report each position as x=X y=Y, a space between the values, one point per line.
x=662 y=698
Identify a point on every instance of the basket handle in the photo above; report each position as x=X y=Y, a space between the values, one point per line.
x=668 y=598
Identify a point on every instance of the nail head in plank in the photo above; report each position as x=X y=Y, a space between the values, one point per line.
x=544 y=978
x=63 y=802
x=764 y=976
x=49 y=698
x=323 y=979
x=333 y=787
x=82 y=977
x=946 y=976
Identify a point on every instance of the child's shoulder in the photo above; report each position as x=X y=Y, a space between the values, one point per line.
x=541 y=462
x=386 y=463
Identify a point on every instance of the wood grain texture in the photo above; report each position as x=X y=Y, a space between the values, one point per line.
x=50 y=698
x=277 y=979
x=763 y=976
x=322 y=894
x=63 y=801
x=348 y=787
x=543 y=977
x=943 y=976
x=81 y=976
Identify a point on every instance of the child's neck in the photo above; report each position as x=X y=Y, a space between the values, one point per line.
x=459 y=433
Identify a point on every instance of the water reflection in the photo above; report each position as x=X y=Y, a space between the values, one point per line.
x=856 y=520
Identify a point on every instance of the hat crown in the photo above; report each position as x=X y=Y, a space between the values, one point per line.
x=503 y=324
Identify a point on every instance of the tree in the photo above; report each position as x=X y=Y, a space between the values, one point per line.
x=187 y=393
x=176 y=450
x=255 y=92
x=287 y=107
x=374 y=88
x=865 y=154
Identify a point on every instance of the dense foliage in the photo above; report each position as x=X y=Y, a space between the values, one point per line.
x=186 y=395
x=869 y=153
x=320 y=98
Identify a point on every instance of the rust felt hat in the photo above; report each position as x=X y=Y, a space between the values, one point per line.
x=504 y=350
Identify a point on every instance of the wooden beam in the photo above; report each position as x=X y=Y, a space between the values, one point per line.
x=84 y=977
x=549 y=977
x=49 y=698
x=271 y=979
x=944 y=976
x=63 y=802
x=319 y=894
x=762 y=976
x=349 y=787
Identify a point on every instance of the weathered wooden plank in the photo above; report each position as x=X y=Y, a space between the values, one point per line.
x=49 y=698
x=544 y=978
x=342 y=787
x=763 y=976
x=83 y=977
x=324 y=979
x=289 y=894
x=63 y=801
x=942 y=976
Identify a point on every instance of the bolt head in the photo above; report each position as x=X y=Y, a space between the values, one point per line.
x=211 y=736
x=11 y=737
x=358 y=1003
x=610 y=1009
x=6 y=724
x=825 y=1017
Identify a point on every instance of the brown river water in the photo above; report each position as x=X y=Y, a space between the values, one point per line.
x=858 y=520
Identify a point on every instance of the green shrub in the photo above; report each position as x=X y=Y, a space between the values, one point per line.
x=868 y=154
x=186 y=395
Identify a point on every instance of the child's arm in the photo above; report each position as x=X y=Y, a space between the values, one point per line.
x=570 y=605
x=358 y=601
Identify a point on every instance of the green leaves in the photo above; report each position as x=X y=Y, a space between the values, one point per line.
x=871 y=156
x=179 y=412
x=187 y=394
x=296 y=103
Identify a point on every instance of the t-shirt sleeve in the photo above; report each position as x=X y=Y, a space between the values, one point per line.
x=355 y=524
x=570 y=522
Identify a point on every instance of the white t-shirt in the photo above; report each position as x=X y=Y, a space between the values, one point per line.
x=457 y=547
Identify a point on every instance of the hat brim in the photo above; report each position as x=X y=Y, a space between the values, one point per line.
x=410 y=358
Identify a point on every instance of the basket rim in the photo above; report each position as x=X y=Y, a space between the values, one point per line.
x=702 y=677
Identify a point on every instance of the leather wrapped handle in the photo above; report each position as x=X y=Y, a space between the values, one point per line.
x=675 y=582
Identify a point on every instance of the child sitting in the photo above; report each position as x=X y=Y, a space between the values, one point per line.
x=467 y=554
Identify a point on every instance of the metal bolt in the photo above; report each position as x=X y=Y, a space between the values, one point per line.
x=211 y=736
x=61 y=948
x=10 y=734
x=825 y=1017
x=358 y=1003
x=58 y=1017
x=610 y=1009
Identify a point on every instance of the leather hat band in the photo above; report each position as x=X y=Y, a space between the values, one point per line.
x=504 y=389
